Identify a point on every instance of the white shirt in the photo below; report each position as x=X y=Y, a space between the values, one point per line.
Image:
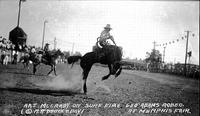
x=33 y=50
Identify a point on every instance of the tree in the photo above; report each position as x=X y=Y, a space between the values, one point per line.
x=154 y=56
x=66 y=54
x=154 y=59
x=77 y=53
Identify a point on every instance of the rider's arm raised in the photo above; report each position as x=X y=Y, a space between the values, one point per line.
x=111 y=37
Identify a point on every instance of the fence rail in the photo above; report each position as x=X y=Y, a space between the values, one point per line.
x=174 y=69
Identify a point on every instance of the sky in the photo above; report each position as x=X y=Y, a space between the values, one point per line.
x=135 y=25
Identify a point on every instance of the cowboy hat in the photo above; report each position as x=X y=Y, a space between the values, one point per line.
x=107 y=26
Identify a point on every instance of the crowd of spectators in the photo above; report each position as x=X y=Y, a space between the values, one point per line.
x=5 y=50
x=9 y=54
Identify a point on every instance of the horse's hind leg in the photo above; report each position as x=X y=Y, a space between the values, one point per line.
x=85 y=75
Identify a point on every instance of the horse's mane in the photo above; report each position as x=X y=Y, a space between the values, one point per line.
x=55 y=53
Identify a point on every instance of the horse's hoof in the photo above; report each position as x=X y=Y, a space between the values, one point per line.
x=84 y=92
x=104 y=78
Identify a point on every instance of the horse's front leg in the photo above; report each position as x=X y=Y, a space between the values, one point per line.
x=24 y=65
x=72 y=65
x=54 y=69
x=110 y=72
x=34 y=68
x=50 y=70
x=118 y=72
x=27 y=64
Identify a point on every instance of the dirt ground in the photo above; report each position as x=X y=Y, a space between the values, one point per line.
x=133 y=93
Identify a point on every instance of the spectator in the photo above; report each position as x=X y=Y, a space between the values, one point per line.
x=33 y=50
x=15 y=58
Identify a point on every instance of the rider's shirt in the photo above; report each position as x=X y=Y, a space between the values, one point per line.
x=26 y=49
x=33 y=50
x=104 y=35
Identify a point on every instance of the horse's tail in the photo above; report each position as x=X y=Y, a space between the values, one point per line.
x=73 y=59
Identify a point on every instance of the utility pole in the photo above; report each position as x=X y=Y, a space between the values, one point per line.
x=73 y=48
x=164 y=54
x=19 y=13
x=55 y=43
x=154 y=45
x=44 y=32
x=185 y=68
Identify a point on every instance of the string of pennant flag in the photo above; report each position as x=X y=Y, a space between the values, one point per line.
x=173 y=41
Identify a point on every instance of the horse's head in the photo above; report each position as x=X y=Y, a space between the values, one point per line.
x=119 y=52
x=57 y=53
x=115 y=52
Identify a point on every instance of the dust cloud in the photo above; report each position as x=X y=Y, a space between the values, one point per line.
x=8 y=81
x=70 y=79
x=67 y=79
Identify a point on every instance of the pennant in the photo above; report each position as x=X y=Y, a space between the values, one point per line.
x=190 y=53
x=193 y=34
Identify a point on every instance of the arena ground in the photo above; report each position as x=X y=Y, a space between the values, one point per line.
x=133 y=93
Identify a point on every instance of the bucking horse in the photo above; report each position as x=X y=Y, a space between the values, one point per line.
x=112 y=56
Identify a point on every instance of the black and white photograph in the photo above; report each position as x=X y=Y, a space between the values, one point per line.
x=99 y=58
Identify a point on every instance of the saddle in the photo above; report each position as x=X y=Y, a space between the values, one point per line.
x=47 y=55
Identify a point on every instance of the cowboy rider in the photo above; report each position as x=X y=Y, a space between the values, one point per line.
x=32 y=51
x=46 y=47
x=105 y=35
x=46 y=50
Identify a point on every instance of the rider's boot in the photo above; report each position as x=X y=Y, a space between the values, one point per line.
x=101 y=54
